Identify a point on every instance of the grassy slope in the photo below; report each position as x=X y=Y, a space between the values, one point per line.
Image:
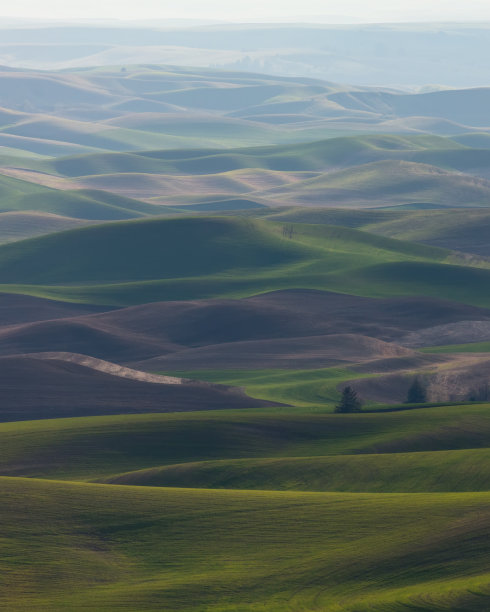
x=125 y=547
x=442 y=471
x=18 y=195
x=385 y=183
x=153 y=260
x=316 y=156
x=473 y=347
x=21 y=225
x=129 y=548
x=305 y=388
x=97 y=447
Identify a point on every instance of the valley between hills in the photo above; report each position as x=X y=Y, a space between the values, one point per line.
x=194 y=264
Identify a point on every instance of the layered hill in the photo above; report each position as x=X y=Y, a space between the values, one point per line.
x=40 y=388
x=22 y=196
x=289 y=329
x=187 y=258
x=387 y=183
x=378 y=170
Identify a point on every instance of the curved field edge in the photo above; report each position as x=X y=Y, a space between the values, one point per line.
x=139 y=548
x=423 y=472
x=153 y=260
x=99 y=447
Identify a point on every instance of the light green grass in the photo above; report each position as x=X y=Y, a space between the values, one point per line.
x=302 y=388
x=473 y=347
x=313 y=156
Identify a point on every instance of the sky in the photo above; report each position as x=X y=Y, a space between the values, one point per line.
x=330 y=11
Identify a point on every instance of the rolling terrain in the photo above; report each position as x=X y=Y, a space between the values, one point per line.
x=191 y=258
x=164 y=543
x=194 y=263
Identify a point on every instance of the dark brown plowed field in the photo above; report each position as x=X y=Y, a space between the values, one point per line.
x=33 y=388
x=279 y=329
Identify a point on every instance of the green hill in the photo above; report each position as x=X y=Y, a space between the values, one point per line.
x=226 y=549
x=148 y=250
x=313 y=156
x=442 y=471
x=102 y=447
x=20 y=225
x=153 y=549
x=18 y=195
x=188 y=258
x=387 y=183
x=461 y=230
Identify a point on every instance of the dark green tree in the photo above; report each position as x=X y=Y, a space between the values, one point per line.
x=417 y=393
x=349 y=402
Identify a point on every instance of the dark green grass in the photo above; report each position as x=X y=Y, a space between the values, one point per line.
x=69 y=546
x=441 y=471
x=90 y=448
x=192 y=258
x=147 y=250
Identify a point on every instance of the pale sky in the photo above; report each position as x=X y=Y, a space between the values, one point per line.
x=334 y=11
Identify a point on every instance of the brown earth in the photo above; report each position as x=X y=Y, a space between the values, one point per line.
x=294 y=328
x=455 y=378
x=305 y=352
x=39 y=388
x=15 y=309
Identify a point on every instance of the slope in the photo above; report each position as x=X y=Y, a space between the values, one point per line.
x=40 y=388
x=98 y=447
x=21 y=195
x=182 y=548
x=192 y=258
x=386 y=183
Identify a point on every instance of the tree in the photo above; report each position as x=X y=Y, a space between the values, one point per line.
x=349 y=402
x=417 y=393
x=482 y=394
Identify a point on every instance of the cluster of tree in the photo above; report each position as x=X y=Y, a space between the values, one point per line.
x=350 y=402
x=288 y=231
x=416 y=394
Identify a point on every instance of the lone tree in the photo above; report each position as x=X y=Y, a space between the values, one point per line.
x=349 y=402
x=482 y=394
x=417 y=393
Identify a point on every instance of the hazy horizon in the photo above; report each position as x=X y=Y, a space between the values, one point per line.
x=350 y=11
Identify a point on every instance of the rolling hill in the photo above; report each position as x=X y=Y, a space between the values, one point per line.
x=191 y=258
x=23 y=196
x=40 y=388
x=279 y=329
x=386 y=184
x=169 y=438
x=181 y=547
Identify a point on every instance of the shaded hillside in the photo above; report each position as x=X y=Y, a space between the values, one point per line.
x=281 y=329
x=15 y=309
x=20 y=225
x=19 y=195
x=466 y=231
x=46 y=389
x=387 y=183
x=198 y=257
x=154 y=249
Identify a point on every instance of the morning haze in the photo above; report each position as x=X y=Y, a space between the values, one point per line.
x=245 y=307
